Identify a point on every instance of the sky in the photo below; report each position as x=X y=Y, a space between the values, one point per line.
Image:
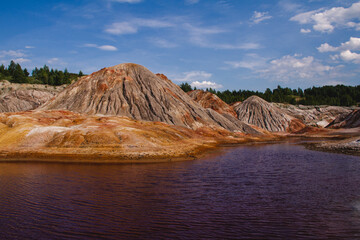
x=222 y=44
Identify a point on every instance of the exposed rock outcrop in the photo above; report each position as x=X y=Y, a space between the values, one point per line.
x=258 y=112
x=210 y=100
x=350 y=120
x=316 y=116
x=133 y=91
x=16 y=97
x=235 y=104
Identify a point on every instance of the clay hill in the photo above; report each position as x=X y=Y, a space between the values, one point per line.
x=218 y=109
x=22 y=97
x=258 y=112
x=209 y=100
x=350 y=120
x=133 y=91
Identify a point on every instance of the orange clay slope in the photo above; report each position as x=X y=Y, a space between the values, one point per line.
x=64 y=136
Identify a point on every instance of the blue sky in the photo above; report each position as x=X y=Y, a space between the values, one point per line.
x=224 y=44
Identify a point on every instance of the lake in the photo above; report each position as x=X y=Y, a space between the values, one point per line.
x=275 y=191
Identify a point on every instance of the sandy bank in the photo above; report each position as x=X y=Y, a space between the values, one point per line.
x=64 y=136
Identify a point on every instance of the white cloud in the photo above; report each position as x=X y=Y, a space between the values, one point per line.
x=352 y=44
x=349 y=56
x=325 y=47
x=12 y=53
x=191 y=1
x=29 y=47
x=194 y=76
x=102 y=47
x=326 y=20
x=107 y=48
x=53 y=60
x=132 y=26
x=206 y=84
x=57 y=61
x=260 y=16
x=16 y=55
x=21 y=60
x=127 y=1
x=250 y=61
x=290 y=68
x=345 y=50
x=305 y=30
x=119 y=28
x=198 y=79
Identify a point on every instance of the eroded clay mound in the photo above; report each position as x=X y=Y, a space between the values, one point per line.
x=351 y=120
x=210 y=100
x=58 y=135
x=22 y=97
x=133 y=91
x=221 y=113
x=258 y=112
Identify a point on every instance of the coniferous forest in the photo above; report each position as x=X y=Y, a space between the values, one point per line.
x=15 y=74
x=338 y=95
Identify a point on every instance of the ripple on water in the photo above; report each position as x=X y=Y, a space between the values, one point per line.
x=278 y=191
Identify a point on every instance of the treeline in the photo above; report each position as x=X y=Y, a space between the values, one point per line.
x=15 y=74
x=338 y=95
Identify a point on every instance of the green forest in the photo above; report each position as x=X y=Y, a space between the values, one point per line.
x=338 y=95
x=15 y=74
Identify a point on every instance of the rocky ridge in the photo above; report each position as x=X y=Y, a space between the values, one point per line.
x=316 y=116
x=256 y=111
x=346 y=120
x=22 y=97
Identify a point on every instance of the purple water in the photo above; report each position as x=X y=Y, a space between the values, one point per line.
x=280 y=191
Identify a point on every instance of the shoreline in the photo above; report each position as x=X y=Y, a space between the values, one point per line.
x=348 y=146
x=104 y=157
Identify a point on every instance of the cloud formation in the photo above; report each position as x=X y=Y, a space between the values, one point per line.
x=345 y=49
x=198 y=79
x=326 y=20
x=17 y=56
x=194 y=76
x=260 y=16
x=349 y=56
x=12 y=53
x=102 y=47
x=305 y=30
x=132 y=26
x=250 y=61
x=288 y=68
x=206 y=84
x=352 y=44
